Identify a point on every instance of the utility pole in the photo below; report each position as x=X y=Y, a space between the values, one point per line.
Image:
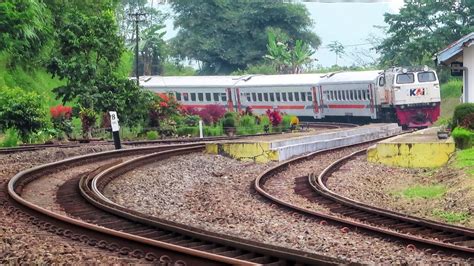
x=137 y=19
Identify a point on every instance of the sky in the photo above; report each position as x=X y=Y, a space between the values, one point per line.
x=350 y=23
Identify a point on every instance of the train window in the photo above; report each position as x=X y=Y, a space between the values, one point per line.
x=381 y=81
x=283 y=97
x=200 y=97
x=254 y=96
x=405 y=78
x=193 y=97
x=278 y=98
x=224 y=97
x=178 y=96
x=368 y=95
x=364 y=96
x=265 y=96
x=248 y=96
x=216 y=97
x=310 y=96
x=260 y=99
x=351 y=95
x=272 y=97
x=339 y=95
x=185 y=96
x=297 y=97
x=426 y=76
x=208 y=96
x=303 y=96
x=290 y=96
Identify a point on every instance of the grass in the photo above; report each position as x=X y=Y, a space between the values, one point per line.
x=465 y=159
x=450 y=94
x=426 y=192
x=452 y=217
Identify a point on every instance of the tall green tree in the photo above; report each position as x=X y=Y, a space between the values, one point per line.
x=422 y=28
x=337 y=48
x=226 y=35
x=25 y=31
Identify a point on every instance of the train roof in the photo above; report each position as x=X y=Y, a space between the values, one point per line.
x=350 y=77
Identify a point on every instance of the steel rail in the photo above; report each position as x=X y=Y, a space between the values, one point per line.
x=96 y=198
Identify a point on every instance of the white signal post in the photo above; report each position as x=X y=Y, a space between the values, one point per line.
x=201 y=135
x=114 y=122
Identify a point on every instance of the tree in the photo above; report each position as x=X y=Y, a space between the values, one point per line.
x=422 y=28
x=337 y=48
x=25 y=31
x=287 y=59
x=227 y=35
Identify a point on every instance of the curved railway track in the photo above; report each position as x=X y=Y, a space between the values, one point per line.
x=346 y=212
x=99 y=222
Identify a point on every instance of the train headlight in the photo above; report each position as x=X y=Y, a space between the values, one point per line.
x=433 y=104
x=402 y=107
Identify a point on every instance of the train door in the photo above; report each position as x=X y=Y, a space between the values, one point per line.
x=237 y=99
x=372 y=100
x=317 y=105
x=230 y=104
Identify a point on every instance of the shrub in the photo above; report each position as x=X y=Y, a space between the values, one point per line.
x=214 y=111
x=152 y=135
x=275 y=117
x=228 y=122
x=286 y=121
x=21 y=110
x=464 y=138
x=11 y=138
x=213 y=131
x=88 y=119
x=61 y=118
x=294 y=121
x=451 y=89
x=191 y=120
x=462 y=112
x=187 y=131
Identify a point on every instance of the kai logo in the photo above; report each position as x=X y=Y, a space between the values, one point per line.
x=417 y=92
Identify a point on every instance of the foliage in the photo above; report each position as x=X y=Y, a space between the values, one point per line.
x=88 y=118
x=451 y=216
x=167 y=128
x=11 y=138
x=263 y=68
x=228 y=122
x=21 y=110
x=211 y=113
x=426 y=192
x=61 y=118
x=164 y=107
x=25 y=31
x=213 y=131
x=463 y=112
x=187 y=131
x=286 y=58
x=422 y=28
x=294 y=121
x=465 y=159
x=230 y=35
x=152 y=135
x=337 y=48
x=177 y=69
x=452 y=88
x=286 y=121
x=274 y=116
x=464 y=138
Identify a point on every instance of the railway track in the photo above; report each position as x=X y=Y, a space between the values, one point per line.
x=99 y=222
x=349 y=213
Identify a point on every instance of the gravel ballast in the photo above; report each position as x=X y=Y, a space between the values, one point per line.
x=216 y=193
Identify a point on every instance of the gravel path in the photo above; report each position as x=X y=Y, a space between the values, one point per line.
x=215 y=193
x=381 y=186
x=22 y=243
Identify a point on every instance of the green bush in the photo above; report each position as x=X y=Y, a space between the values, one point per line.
x=213 y=131
x=228 y=122
x=21 y=110
x=152 y=135
x=451 y=89
x=185 y=131
x=191 y=120
x=464 y=138
x=461 y=112
x=11 y=138
x=286 y=122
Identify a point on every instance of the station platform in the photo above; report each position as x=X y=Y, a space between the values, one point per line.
x=285 y=146
x=420 y=149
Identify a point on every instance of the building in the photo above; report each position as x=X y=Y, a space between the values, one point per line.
x=459 y=56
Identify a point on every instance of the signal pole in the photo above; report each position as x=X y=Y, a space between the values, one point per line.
x=137 y=19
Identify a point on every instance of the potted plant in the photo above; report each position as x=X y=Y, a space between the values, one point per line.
x=229 y=126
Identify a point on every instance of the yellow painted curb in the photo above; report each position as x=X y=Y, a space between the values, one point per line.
x=257 y=151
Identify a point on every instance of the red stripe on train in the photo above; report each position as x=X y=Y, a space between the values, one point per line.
x=346 y=106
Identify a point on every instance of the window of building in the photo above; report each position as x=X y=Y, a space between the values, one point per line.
x=200 y=97
x=178 y=96
x=193 y=96
x=272 y=97
x=265 y=96
x=208 y=96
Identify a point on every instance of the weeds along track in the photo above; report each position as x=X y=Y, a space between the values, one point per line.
x=329 y=207
x=83 y=214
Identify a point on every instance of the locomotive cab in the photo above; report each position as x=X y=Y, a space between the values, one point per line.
x=415 y=96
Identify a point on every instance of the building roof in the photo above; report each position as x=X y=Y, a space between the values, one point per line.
x=455 y=49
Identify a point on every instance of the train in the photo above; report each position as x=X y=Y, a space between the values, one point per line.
x=407 y=96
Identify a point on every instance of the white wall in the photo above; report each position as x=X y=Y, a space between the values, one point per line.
x=468 y=61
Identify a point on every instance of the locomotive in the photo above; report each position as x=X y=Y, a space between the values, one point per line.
x=408 y=96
